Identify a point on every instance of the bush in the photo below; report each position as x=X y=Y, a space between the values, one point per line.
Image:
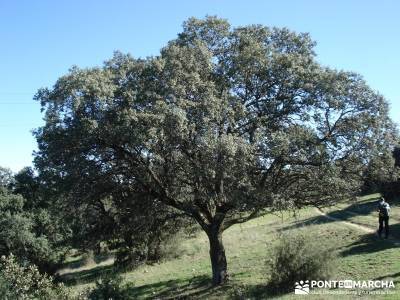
x=17 y=282
x=108 y=287
x=298 y=256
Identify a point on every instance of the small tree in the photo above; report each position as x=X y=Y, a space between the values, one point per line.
x=224 y=125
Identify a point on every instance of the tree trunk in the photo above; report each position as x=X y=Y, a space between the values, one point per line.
x=218 y=258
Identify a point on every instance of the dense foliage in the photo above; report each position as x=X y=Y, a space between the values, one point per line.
x=30 y=221
x=108 y=288
x=19 y=282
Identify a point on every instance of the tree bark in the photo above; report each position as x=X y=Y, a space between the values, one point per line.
x=218 y=258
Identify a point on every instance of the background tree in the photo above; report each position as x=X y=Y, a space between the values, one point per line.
x=383 y=173
x=19 y=234
x=6 y=177
x=29 y=224
x=380 y=173
x=27 y=184
x=224 y=125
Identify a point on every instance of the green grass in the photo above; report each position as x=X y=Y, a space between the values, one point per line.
x=248 y=246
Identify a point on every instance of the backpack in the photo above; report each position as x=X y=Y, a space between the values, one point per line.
x=383 y=209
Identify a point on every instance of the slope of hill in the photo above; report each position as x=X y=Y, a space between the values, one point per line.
x=361 y=256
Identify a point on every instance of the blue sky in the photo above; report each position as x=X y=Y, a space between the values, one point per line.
x=40 y=40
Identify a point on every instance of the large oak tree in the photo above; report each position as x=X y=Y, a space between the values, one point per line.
x=224 y=125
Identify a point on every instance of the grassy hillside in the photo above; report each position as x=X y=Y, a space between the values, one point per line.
x=363 y=211
x=361 y=256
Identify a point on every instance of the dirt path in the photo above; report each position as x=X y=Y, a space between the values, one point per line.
x=358 y=226
x=86 y=267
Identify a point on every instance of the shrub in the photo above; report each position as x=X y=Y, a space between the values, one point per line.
x=108 y=287
x=18 y=282
x=298 y=256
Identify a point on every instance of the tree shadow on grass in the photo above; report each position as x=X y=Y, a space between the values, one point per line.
x=262 y=291
x=198 y=287
x=363 y=208
x=394 y=275
x=368 y=243
x=346 y=214
x=316 y=220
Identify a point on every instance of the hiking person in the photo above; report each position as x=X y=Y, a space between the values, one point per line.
x=383 y=209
